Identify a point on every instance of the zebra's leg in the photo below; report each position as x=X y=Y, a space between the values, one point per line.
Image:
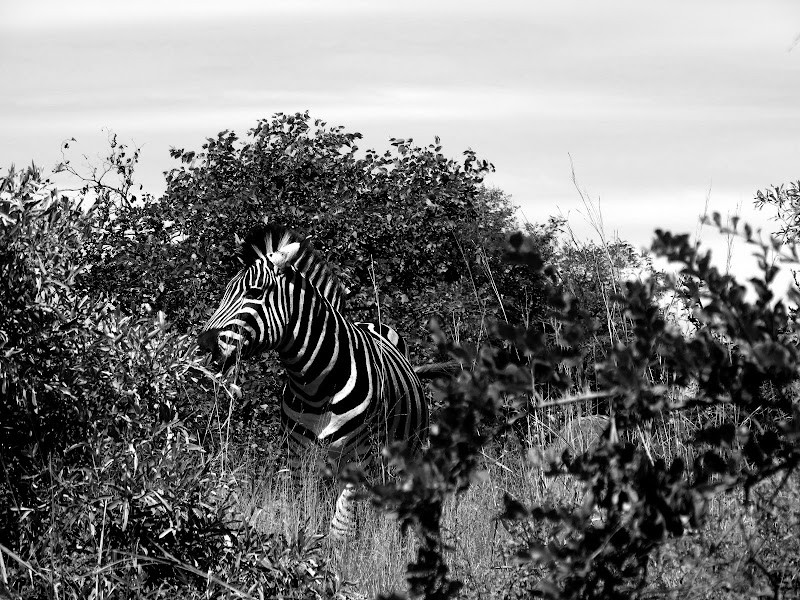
x=343 y=523
x=303 y=453
x=349 y=462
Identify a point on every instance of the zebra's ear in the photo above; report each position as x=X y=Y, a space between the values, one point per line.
x=282 y=257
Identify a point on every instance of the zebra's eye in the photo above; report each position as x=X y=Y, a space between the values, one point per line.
x=253 y=293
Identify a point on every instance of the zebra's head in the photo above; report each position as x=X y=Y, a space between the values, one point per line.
x=243 y=324
x=252 y=316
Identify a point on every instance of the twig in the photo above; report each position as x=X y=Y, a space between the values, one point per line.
x=574 y=399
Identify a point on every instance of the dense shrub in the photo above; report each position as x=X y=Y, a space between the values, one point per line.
x=399 y=226
x=413 y=233
x=104 y=489
x=633 y=503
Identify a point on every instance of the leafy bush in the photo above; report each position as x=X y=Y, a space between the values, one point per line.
x=744 y=356
x=413 y=233
x=394 y=224
x=785 y=199
x=105 y=489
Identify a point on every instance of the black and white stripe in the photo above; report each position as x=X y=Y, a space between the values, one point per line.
x=349 y=386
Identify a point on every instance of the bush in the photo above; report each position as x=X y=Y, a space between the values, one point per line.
x=105 y=489
x=633 y=503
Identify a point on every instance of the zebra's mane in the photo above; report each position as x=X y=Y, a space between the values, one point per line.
x=263 y=239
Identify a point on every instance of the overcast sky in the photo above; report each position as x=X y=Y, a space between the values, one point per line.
x=658 y=104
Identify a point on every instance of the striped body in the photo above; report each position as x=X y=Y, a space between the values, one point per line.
x=349 y=386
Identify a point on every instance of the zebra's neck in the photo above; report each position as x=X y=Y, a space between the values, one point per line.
x=318 y=345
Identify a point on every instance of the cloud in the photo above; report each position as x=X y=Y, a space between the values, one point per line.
x=183 y=108
x=87 y=14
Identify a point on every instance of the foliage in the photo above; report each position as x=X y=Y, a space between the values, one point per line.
x=105 y=489
x=594 y=275
x=413 y=233
x=785 y=199
x=396 y=219
x=272 y=566
x=110 y=184
x=633 y=504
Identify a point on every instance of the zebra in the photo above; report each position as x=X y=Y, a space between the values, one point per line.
x=350 y=387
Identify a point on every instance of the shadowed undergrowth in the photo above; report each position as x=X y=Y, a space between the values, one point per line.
x=745 y=547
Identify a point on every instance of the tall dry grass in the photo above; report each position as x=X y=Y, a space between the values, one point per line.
x=481 y=545
x=726 y=549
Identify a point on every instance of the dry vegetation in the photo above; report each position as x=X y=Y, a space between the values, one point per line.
x=747 y=547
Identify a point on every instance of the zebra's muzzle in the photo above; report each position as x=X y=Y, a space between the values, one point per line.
x=223 y=352
x=208 y=341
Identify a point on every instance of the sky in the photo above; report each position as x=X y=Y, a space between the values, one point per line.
x=660 y=108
